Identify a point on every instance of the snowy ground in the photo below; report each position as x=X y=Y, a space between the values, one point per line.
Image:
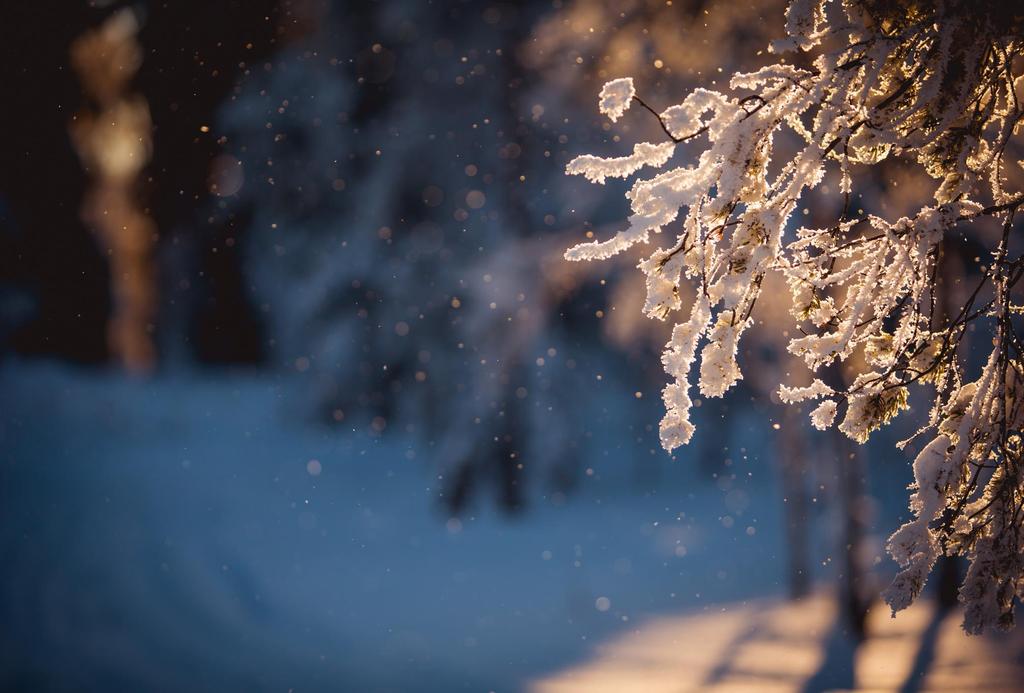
x=173 y=534
x=775 y=646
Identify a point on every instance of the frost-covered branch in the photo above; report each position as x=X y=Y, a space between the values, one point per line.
x=937 y=84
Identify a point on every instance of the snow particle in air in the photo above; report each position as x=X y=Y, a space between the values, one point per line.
x=433 y=196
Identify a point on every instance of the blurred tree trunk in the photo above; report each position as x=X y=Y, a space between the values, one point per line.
x=794 y=490
x=950 y=295
x=113 y=138
x=852 y=505
x=853 y=580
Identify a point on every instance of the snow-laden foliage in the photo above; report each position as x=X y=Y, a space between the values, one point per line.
x=616 y=97
x=937 y=85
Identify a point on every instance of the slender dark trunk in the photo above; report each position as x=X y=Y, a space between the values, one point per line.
x=794 y=489
x=853 y=579
x=850 y=486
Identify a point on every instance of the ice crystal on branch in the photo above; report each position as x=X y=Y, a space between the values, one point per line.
x=939 y=85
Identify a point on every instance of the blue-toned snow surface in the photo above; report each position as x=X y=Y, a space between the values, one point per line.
x=168 y=534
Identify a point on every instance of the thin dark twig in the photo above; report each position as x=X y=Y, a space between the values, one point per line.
x=661 y=122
